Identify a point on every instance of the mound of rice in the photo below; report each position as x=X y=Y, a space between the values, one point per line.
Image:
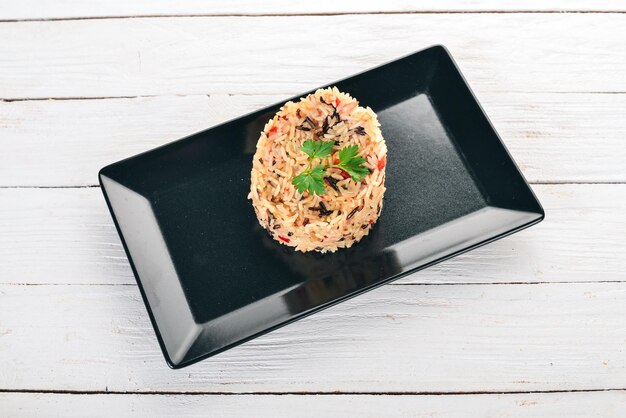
x=348 y=210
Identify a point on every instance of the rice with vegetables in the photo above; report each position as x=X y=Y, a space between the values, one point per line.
x=318 y=174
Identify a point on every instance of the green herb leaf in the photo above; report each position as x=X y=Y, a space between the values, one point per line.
x=325 y=149
x=356 y=170
x=317 y=149
x=311 y=180
x=348 y=153
x=352 y=163
x=309 y=148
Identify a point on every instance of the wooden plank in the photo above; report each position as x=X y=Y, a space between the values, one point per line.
x=55 y=9
x=585 y=404
x=281 y=55
x=78 y=137
x=553 y=137
x=562 y=137
x=67 y=236
x=495 y=338
x=66 y=142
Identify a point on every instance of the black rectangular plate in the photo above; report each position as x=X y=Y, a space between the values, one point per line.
x=211 y=278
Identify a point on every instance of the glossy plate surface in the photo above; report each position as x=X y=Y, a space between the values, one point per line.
x=211 y=278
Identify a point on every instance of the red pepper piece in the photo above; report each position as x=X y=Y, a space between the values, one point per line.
x=273 y=130
x=284 y=239
x=337 y=102
x=344 y=174
x=381 y=163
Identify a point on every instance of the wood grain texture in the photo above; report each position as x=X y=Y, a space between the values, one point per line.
x=494 y=338
x=273 y=55
x=553 y=137
x=66 y=236
x=55 y=9
x=583 y=405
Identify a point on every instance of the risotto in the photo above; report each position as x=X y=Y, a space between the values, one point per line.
x=318 y=174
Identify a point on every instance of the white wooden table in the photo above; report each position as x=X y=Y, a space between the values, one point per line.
x=534 y=324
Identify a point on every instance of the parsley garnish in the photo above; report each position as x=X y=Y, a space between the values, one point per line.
x=312 y=179
x=317 y=149
x=351 y=163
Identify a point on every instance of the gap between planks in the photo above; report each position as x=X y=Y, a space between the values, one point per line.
x=148 y=96
x=311 y=393
x=398 y=12
x=392 y=283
